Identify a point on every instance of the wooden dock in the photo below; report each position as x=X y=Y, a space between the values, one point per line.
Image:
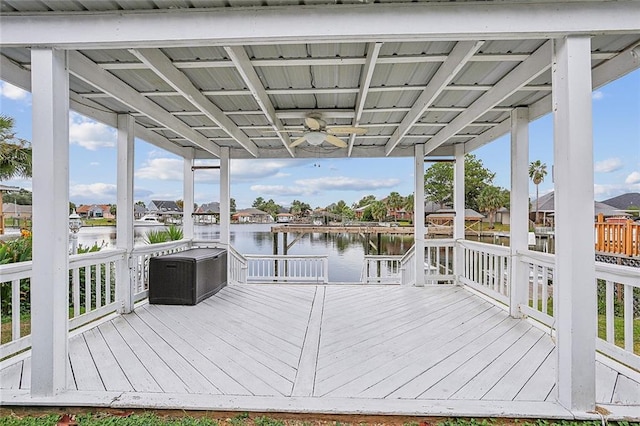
x=333 y=349
x=345 y=229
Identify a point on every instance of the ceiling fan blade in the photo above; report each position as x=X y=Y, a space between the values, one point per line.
x=347 y=129
x=313 y=123
x=336 y=141
x=298 y=141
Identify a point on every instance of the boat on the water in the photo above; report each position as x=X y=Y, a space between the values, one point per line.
x=148 y=220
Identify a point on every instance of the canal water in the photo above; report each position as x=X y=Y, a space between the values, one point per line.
x=345 y=251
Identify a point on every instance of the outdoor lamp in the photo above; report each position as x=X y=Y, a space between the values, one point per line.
x=315 y=138
x=75 y=223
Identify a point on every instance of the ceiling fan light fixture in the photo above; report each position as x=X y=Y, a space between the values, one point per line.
x=315 y=138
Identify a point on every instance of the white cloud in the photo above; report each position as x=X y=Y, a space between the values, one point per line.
x=597 y=95
x=347 y=183
x=93 y=193
x=633 y=178
x=162 y=169
x=604 y=191
x=12 y=92
x=282 y=190
x=609 y=165
x=90 y=134
x=314 y=186
x=94 y=163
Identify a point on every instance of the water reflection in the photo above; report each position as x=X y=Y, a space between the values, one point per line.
x=346 y=251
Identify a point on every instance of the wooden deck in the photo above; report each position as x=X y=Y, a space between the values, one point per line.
x=398 y=350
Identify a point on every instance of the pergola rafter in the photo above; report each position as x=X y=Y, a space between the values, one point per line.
x=162 y=66
x=86 y=70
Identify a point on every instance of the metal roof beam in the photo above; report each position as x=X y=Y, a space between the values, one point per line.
x=459 y=56
x=337 y=61
x=243 y=65
x=535 y=65
x=618 y=66
x=373 y=51
x=303 y=24
x=331 y=90
x=162 y=66
x=21 y=77
x=86 y=70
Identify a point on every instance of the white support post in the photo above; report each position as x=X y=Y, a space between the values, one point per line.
x=574 y=212
x=225 y=197
x=50 y=280
x=187 y=205
x=459 y=207
x=125 y=281
x=418 y=213
x=519 y=208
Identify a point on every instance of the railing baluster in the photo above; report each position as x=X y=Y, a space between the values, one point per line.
x=76 y=291
x=15 y=309
x=98 y=285
x=628 y=318
x=107 y=281
x=609 y=311
x=87 y=288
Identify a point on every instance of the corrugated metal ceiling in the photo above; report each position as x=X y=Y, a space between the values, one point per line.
x=300 y=79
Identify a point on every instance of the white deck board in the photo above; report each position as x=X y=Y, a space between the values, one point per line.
x=195 y=382
x=130 y=364
x=306 y=376
x=194 y=356
x=113 y=378
x=605 y=383
x=233 y=363
x=85 y=371
x=10 y=376
x=166 y=378
x=326 y=348
x=454 y=373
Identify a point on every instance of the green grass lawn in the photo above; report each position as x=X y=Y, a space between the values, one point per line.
x=244 y=419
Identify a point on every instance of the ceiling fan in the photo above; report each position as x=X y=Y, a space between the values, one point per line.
x=316 y=132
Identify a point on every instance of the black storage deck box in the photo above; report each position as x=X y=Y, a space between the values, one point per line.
x=187 y=277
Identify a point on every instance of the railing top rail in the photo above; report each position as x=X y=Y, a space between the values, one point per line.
x=237 y=254
x=286 y=256
x=411 y=252
x=545 y=259
x=102 y=255
x=152 y=248
x=439 y=242
x=384 y=256
x=485 y=247
x=618 y=273
x=15 y=268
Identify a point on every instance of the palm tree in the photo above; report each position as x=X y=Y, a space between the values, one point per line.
x=379 y=210
x=537 y=172
x=407 y=204
x=15 y=156
x=394 y=203
x=490 y=199
x=15 y=153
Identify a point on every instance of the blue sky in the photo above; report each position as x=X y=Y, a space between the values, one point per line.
x=158 y=174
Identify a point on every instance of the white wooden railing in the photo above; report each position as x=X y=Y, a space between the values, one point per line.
x=407 y=267
x=287 y=268
x=486 y=269
x=617 y=282
x=438 y=261
x=237 y=273
x=623 y=280
x=139 y=263
x=92 y=287
x=381 y=269
x=540 y=296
